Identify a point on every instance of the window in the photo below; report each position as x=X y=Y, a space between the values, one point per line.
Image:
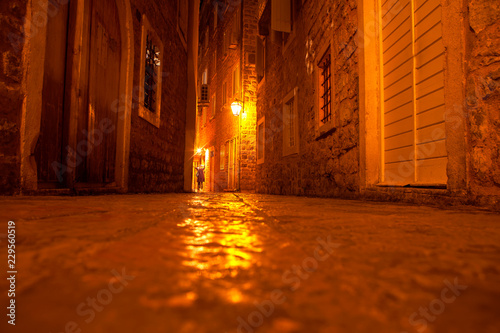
x=261 y=137
x=284 y=14
x=281 y=15
x=204 y=91
x=325 y=88
x=151 y=74
x=213 y=106
x=261 y=58
x=204 y=116
x=204 y=77
x=236 y=81
x=222 y=159
x=235 y=30
x=290 y=124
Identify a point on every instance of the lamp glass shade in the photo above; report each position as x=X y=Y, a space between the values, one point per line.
x=236 y=108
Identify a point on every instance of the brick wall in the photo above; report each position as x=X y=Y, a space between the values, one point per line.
x=12 y=14
x=325 y=165
x=157 y=154
x=483 y=100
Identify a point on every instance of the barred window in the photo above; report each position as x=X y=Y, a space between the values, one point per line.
x=151 y=74
x=151 y=52
x=325 y=95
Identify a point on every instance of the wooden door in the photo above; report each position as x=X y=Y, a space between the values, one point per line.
x=49 y=151
x=232 y=165
x=97 y=123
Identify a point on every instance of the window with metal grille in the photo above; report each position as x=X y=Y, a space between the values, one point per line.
x=151 y=75
x=151 y=64
x=325 y=96
x=204 y=93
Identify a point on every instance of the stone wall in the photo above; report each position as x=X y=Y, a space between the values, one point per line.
x=249 y=119
x=326 y=165
x=483 y=100
x=157 y=154
x=12 y=14
x=221 y=125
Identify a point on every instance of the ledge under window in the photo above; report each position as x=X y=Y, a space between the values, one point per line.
x=325 y=130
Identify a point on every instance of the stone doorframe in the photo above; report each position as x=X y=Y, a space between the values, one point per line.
x=454 y=39
x=34 y=59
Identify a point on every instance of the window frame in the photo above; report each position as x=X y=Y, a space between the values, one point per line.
x=151 y=117
x=325 y=94
x=324 y=128
x=262 y=41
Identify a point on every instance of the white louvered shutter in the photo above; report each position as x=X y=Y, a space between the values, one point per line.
x=413 y=92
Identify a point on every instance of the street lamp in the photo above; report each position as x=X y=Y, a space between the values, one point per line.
x=236 y=108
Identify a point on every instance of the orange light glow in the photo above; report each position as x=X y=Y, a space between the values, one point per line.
x=218 y=249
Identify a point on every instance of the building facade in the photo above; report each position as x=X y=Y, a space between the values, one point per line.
x=394 y=99
x=225 y=143
x=94 y=95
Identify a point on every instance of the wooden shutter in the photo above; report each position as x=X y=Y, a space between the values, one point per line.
x=281 y=15
x=235 y=30
x=260 y=57
x=236 y=80
x=413 y=92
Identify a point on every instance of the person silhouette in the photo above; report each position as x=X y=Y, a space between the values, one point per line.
x=200 y=176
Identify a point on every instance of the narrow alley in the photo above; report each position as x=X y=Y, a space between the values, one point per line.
x=250 y=166
x=246 y=263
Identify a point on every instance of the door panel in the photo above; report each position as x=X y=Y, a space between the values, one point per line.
x=49 y=149
x=98 y=123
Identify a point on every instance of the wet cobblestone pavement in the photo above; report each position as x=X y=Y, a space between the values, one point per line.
x=249 y=263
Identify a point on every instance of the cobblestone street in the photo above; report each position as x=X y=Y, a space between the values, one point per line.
x=249 y=263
